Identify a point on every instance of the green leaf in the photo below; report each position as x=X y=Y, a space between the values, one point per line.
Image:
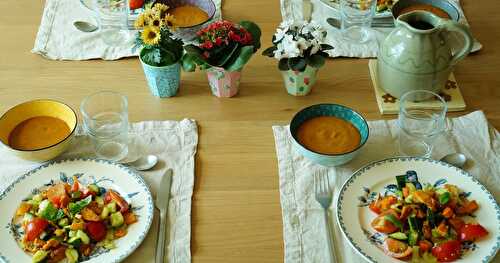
x=298 y=64
x=188 y=63
x=242 y=57
x=326 y=47
x=222 y=55
x=255 y=31
x=316 y=61
x=75 y=208
x=269 y=51
x=283 y=64
x=193 y=49
x=391 y=218
x=444 y=198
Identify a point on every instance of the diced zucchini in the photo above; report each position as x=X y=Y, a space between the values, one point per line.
x=72 y=233
x=83 y=236
x=27 y=218
x=111 y=206
x=109 y=244
x=105 y=213
x=76 y=195
x=63 y=222
x=59 y=232
x=409 y=199
x=71 y=255
x=116 y=219
x=391 y=218
x=75 y=241
x=399 y=236
x=99 y=200
x=37 y=198
x=110 y=234
x=413 y=235
x=411 y=187
x=94 y=188
x=39 y=256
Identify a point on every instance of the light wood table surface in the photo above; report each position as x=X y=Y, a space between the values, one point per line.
x=236 y=213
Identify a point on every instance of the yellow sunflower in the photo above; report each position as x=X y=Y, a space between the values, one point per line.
x=148 y=16
x=151 y=35
x=160 y=9
x=169 y=21
x=140 y=22
x=155 y=21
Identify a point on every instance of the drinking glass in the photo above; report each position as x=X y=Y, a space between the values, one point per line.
x=113 y=21
x=418 y=126
x=105 y=120
x=356 y=18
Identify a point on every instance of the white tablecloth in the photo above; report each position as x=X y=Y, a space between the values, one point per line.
x=174 y=142
x=303 y=221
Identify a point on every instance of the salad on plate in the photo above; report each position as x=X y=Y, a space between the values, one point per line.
x=72 y=221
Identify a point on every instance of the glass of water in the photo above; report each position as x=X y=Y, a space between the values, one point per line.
x=113 y=21
x=356 y=18
x=418 y=126
x=105 y=120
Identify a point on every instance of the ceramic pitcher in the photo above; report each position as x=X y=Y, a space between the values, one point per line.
x=417 y=54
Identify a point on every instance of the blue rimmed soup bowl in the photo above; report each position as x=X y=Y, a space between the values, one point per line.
x=334 y=110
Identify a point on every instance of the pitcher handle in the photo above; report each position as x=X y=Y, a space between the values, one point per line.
x=464 y=31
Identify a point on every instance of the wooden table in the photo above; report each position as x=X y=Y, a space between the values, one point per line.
x=236 y=214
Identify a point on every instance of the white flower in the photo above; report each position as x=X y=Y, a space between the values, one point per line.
x=303 y=44
x=291 y=47
x=280 y=33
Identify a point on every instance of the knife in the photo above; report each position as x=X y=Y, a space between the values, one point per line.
x=162 y=198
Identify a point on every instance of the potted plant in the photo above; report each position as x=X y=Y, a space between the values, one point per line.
x=160 y=53
x=223 y=50
x=300 y=50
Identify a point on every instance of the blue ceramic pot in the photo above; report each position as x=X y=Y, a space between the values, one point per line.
x=163 y=81
x=334 y=110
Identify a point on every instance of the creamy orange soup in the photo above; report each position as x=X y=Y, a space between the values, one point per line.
x=425 y=7
x=38 y=132
x=328 y=135
x=188 y=15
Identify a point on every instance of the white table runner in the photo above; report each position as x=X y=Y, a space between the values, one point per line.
x=174 y=142
x=292 y=10
x=58 y=39
x=302 y=216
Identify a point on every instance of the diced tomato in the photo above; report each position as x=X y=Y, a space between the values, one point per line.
x=456 y=223
x=76 y=185
x=448 y=212
x=86 y=192
x=112 y=195
x=383 y=225
x=135 y=4
x=383 y=204
x=57 y=195
x=35 y=227
x=447 y=251
x=373 y=206
x=396 y=248
x=120 y=232
x=129 y=218
x=405 y=212
x=424 y=245
x=96 y=230
x=406 y=192
x=467 y=208
x=472 y=232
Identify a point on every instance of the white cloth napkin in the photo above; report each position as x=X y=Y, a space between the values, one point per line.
x=292 y=10
x=174 y=142
x=58 y=39
x=303 y=227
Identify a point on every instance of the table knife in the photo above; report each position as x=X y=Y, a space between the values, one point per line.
x=162 y=199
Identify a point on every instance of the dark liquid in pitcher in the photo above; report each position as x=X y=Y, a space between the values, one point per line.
x=422 y=25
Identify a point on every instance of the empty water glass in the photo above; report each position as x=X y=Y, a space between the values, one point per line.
x=419 y=126
x=105 y=120
x=112 y=18
x=356 y=18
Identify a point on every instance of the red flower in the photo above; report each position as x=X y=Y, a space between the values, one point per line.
x=218 y=41
x=206 y=54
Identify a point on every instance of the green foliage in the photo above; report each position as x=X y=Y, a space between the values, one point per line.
x=255 y=31
x=168 y=51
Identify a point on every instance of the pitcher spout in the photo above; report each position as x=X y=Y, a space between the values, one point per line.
x=419 y=22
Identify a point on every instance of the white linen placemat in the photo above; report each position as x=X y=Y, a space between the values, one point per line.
x=175 y=143
x=292 y=10
x=58 y=39
x=303 y=227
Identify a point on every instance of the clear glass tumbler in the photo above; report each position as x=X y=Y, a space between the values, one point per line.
x=419 y=126
x=356 y=18
x=105 y=120
x=113 y=21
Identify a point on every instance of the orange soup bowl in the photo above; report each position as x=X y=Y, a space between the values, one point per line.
x=38 y=108
x=356 y=128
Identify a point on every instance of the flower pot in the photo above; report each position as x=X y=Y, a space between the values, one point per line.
x=223 y=84
x=299 y=83
x=162 y=81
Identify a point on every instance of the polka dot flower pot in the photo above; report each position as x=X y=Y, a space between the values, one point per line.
x=299 y=83
x=223 y=84
x=163 y=81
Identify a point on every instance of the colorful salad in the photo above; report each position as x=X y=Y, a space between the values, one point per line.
x=424 y=223
x=382 y=5
x=71 y=221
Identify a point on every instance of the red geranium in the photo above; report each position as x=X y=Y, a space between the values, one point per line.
x=222 y=33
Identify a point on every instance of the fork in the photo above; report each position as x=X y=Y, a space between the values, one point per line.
x=324 y=196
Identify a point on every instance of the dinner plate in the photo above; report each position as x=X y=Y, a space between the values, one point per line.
x=105 y=174
x=354 y=216
x=336 y=6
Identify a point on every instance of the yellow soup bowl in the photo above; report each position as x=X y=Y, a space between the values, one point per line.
x=37 y=108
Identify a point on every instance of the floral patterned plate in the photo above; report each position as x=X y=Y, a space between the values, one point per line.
x=105 y=174
x=366 y=183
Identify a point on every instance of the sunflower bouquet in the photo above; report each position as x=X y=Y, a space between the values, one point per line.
x=159 y=46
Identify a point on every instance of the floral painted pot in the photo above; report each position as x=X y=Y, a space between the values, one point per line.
x=163 y=81
x=299 y=83
x=223 y=84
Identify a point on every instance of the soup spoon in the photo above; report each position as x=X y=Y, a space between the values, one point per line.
x=85 y=26
x=144 y=163
x=455 y=159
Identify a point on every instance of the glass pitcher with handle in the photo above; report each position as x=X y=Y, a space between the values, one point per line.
x=417 y=54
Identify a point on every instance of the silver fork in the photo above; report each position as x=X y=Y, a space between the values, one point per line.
x=324 y=196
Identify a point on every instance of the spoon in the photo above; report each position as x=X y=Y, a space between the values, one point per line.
x=455 y=159
x=85 y=26
x=144 y=163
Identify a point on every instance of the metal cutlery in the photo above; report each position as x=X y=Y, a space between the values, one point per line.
x=324 y=196
x=161 y=202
